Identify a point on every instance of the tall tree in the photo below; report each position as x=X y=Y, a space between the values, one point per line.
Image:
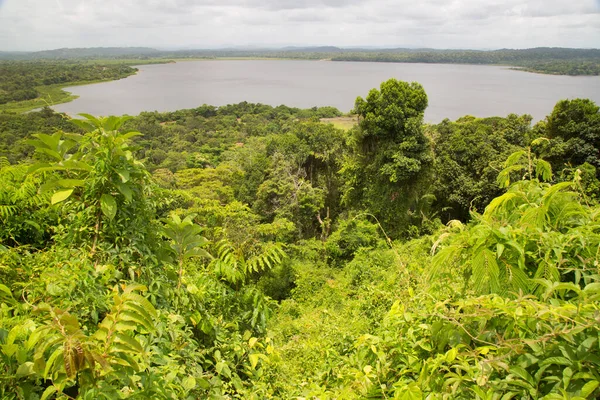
x=574 y=127
x=391 y=153
x=468 y=157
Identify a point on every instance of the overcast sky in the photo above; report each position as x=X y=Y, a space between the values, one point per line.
x=49 y=24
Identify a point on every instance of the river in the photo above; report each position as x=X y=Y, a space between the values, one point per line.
x=453 y=90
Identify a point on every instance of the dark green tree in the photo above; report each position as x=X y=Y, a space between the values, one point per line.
x=468 y=156
x=574 y=127
x=391 y=154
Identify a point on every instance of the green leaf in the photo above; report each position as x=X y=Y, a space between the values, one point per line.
x=70 y=183
x=136 y=317
x=61 y=195
x=203 y=383
x=253 y=360
x=50 y=153
x=499 y=202
x=50 y=390
x=223 y=369
x=556 y=360
x=589 y=388
x=57 y=353
x=54 y=289
x=111 y=123
x=543 y=169
x=539 y=141
x=25 y=369
x=95 y=121
x=129 y=135
x=125 y=191
x=188 y=383
x=124 y=174
x=523 y=374
x=6 y=293
x=514 y=158
x=129 y=342
x=108 y=205
x=409 y=392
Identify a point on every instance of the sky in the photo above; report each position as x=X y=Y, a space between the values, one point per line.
x=29 y=25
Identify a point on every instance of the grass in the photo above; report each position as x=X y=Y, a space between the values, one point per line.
x=49 y=95
x=346 y=122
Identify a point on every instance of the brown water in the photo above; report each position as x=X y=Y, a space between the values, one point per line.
x=453 y=90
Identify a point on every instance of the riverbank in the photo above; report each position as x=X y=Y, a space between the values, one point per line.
x=51 y=95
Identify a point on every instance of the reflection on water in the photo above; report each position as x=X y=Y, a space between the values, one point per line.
x=453 y=90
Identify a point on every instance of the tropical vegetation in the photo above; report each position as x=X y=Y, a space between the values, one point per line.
x=255 y=252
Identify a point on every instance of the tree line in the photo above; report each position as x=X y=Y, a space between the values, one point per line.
x=20 y=81
x=550 y=60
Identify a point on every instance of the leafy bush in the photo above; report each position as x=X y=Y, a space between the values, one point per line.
x=351 y=235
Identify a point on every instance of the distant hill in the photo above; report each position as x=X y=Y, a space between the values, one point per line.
x=319 y=49
x=539 y=53
x=77 y=53
x=12 y=55
x=94 y=52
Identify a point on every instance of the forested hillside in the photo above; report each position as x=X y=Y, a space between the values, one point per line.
x=255 y=252
x=555 y=61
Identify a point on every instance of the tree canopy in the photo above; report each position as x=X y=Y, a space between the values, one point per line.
x=256 y=252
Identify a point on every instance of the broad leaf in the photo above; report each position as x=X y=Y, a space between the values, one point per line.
x=61 y=195
x=108 y=205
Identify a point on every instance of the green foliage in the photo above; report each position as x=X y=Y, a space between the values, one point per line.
x=391 y=155
x=22 y=213
x=236 y=266
x=574 y=127
x=185 y=241
x=468 y=156
x=252 y=263
x=542 y=59
x=15 y=129
x=350 y=236
x=21 y=80
x=533 y=235
x=102 y=188
x=484 y=347
x=59 y=351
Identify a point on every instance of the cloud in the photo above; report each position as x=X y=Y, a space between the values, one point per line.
x=42 y=24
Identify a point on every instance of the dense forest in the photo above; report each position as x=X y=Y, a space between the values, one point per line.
x=28 y=80
x=543 y=60
x=255 y=252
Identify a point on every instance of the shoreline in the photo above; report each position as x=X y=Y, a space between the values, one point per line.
x=52 y=95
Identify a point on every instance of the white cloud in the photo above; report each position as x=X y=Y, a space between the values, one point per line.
x=45 y=24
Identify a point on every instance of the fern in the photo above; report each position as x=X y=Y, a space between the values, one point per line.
x=485 y=271
x=534 y=231
x=232 y=266
x=499 y=203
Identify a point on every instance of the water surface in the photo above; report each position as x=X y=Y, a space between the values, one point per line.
x=453 y=90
